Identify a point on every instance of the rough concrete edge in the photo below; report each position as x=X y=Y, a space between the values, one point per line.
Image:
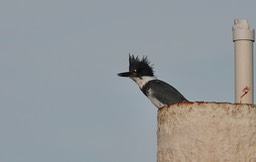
x=201 y=103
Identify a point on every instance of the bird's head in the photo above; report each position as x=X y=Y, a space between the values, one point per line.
x=138 y=67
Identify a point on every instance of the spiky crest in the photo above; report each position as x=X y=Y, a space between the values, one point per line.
x=142 y=66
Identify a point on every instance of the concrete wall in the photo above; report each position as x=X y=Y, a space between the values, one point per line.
x=207 y=132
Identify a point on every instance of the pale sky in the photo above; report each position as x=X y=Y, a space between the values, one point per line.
x=60 y=97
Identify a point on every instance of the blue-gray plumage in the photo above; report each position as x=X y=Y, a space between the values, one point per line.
x=163 y=92
x=160 y=93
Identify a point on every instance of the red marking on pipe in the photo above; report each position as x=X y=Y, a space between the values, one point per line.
x=245 y=91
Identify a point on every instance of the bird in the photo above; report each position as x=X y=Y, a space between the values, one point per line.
x=159 y=92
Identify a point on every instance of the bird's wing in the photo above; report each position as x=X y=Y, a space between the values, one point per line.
x=165 y=93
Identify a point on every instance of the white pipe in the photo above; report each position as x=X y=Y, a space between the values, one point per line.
x=243 y=38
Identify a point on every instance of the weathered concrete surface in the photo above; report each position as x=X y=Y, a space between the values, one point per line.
x=207 y=132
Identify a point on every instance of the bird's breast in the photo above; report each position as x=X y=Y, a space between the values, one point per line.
x=153 y=99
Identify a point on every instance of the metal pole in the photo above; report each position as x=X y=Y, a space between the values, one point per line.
x=243 y=38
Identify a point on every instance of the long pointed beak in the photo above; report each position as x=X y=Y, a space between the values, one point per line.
x=125 y=74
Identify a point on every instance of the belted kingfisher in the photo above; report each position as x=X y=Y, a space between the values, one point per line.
x=160 y=93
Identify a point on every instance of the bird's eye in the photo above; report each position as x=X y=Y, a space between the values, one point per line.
x=135 y=70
